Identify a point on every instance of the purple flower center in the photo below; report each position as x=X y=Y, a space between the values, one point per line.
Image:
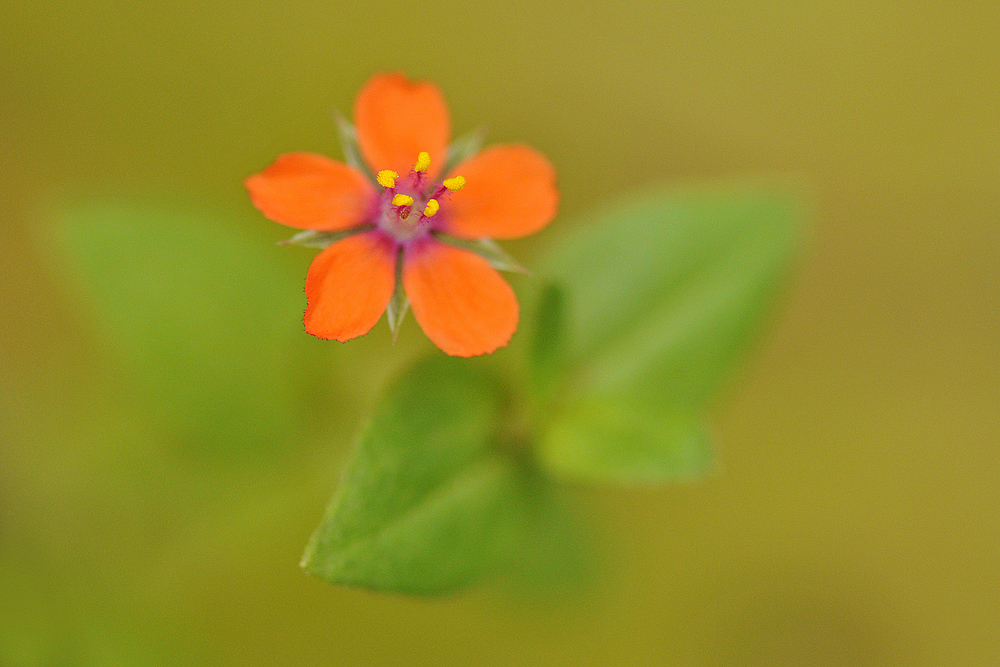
x=409 y=207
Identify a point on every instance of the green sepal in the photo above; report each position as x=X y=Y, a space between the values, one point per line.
x=395 y=312
x=352 y=151
x=312 y=238
x=487 y=249
x=463 y=148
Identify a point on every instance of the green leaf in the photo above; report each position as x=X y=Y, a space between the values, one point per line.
x=663 y=294
x=206 y=320
x=311 y=238
x=556 y=561
x=427 y=504
x=623 y=439
x=547 y=341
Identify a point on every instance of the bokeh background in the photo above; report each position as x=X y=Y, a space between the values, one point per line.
x=854 y=516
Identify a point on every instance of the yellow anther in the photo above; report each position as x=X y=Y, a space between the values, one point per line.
x=423 y=162
x=431 y=208
x=387 y=178
x=455 y=183
x=402 y=200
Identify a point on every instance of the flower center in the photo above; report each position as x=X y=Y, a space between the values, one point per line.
x=408 y=205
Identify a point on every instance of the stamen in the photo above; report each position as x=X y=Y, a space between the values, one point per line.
x=387 y=178
x=423 y=162
x=454 y=183
x=402 y=200
x=431 y=208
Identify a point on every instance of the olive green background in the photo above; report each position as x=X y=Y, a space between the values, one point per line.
x=854 y=516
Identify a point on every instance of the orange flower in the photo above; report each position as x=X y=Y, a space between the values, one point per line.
x=390 y=234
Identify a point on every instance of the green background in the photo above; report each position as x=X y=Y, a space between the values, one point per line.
x=854 y=516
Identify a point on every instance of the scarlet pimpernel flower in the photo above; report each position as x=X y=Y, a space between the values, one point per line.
x=408 y=223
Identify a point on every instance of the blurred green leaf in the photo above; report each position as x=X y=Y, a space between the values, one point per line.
x=622 y=439
x=556 y=559
x=206 y=319
x=547 y=340
x=427 y=504
x=662 y=295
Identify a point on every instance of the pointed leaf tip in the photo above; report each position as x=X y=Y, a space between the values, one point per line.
x=426 y=506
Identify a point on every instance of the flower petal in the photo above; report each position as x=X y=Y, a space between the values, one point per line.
x=397 y=119
x=349 y=285
x=308 y=191
x=510 y=191
x=460 y=301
